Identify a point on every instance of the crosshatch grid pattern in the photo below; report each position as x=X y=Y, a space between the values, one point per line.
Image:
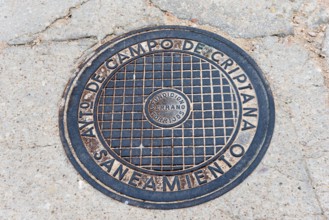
x=134 y=139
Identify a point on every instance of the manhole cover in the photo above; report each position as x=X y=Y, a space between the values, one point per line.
x=167 y=117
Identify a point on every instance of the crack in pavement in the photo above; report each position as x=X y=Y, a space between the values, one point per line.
x=87 y=53
x=33 y=43
x=313 y=187
x=281 y=34
x=309 y=176
x=36 y=40
x=151 y=3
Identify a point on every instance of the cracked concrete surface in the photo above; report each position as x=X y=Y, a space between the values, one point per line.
x=42 y=43
x=239 y=18
x=23 y=19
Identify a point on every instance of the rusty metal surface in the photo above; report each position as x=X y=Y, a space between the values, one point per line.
x=167 y=117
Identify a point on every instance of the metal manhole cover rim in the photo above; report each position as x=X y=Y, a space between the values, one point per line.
x=261 y=148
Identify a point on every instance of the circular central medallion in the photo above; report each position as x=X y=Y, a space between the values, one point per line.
x=167 y=108
x=166 y=117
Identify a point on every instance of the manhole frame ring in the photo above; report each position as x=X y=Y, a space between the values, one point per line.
x=256 y=160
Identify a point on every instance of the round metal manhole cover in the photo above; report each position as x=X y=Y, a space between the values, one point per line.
x=167 y=117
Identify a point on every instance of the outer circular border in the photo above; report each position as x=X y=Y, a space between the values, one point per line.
x=150 y=119
x=254 y=161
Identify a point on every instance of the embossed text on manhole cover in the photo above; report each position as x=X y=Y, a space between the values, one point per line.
x=167 y=117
